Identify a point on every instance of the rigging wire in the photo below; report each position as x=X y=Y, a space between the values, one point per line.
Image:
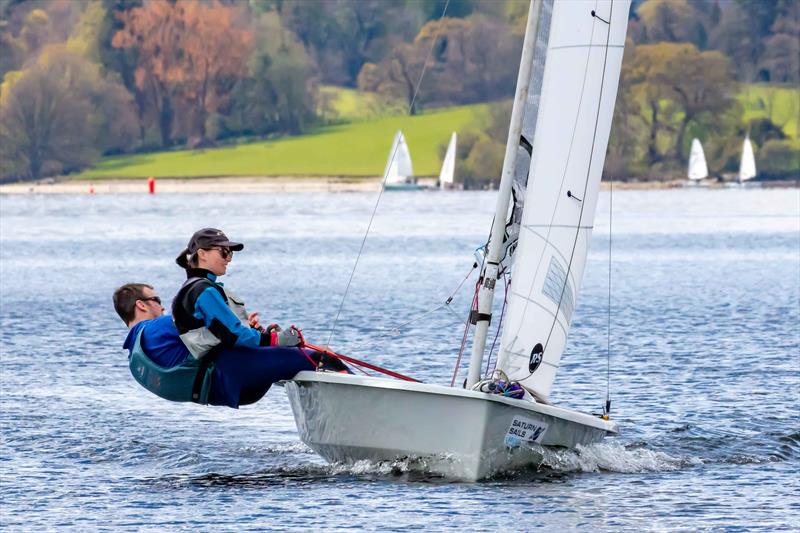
x=473 y=307
x=385 y=174
x=607 y=410
x=506 y=284
x=393 y=330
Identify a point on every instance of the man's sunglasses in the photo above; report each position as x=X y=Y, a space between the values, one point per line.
x=155 y=299
x=224 y=252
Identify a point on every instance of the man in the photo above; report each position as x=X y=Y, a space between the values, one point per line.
x=141 y=310
x=236 y=375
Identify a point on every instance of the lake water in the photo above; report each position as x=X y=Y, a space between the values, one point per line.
x=705 y=364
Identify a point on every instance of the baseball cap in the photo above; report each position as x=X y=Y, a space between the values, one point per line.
x=204 y=239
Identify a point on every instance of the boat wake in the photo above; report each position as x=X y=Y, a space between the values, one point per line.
x=296 y=463
x=613 y=457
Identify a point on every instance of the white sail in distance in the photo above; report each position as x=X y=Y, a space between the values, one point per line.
x=747 y=167
x=398 y=165
x=447 y=174
x=579 y=87
x=697 y=162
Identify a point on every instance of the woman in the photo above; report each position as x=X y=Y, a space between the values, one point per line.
x=217 y=330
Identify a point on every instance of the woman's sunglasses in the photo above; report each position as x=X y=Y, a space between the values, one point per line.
x=224 y=252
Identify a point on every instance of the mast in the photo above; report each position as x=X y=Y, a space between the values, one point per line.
x=495 y=246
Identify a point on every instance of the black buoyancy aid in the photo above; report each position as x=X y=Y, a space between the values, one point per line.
x=198 y=339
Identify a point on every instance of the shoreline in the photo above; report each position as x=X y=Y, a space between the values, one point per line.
x=252 y=184
x=234 y=184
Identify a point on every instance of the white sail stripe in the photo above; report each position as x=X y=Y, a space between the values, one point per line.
x=546 y=310
x=567 y=226
x=527 y=357
x=555 y=249
x=567 y=46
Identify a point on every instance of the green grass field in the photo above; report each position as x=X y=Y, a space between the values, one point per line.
x=351 y=105
x=357 y=149
x=360 y=147
x=779 y=104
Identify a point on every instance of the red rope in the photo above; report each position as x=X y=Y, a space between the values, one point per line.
x=361 y=363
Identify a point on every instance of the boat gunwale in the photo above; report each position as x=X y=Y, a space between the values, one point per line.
x=564 y=413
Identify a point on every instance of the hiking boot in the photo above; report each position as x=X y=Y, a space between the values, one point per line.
x=329 y=363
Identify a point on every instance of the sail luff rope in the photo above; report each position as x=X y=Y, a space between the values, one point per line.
x=473 y=306
x=385 y=174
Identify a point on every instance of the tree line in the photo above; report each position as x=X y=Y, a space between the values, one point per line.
x=683 y=72
x=84 y=79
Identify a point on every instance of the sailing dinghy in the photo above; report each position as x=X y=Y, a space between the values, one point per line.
x=747 y=166
x=399 y=172
x=698 y=169
x=560 y=123
x=447 y=174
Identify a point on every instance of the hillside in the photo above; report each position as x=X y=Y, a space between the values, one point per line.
x=358 y=149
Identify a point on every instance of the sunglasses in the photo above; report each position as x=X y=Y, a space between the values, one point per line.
x=224 y=252
x=155 y=299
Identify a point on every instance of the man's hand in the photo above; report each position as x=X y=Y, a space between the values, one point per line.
x=252 y=319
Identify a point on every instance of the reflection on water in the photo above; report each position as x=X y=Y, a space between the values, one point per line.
x=704 y=364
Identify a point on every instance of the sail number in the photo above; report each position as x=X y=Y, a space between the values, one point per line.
x=525 y=431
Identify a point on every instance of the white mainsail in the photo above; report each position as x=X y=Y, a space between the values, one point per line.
x=747 y=167
x=579 y=87
x=398 y=165
x=697 y=162
x=447 y=174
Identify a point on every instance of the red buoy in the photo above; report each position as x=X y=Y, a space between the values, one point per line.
x=151 y=185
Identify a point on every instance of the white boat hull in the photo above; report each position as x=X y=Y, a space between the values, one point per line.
x=455 y=433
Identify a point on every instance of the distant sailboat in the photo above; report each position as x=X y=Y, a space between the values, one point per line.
x=747 y=168
x=446 y=176
x=697 y=162
x=399 y=171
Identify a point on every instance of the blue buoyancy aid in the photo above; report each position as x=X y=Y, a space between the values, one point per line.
x=190 y=381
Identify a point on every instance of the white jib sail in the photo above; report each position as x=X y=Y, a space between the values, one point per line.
x=447 y=174
x=747 y=167
x=697 y=162
x=398 y=165
x=581 y=75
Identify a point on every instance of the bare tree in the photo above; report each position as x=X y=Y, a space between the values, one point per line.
x=58 y=115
